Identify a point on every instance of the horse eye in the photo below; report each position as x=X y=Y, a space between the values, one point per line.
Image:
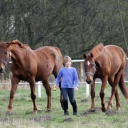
x=5 y=52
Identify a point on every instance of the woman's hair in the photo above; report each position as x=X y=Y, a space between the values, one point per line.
x=66 y=58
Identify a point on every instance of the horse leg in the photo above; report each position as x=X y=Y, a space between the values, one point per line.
x=115 y=91
x=117 y=100
x=48 y=92
x=61 y=98
x=93 y=95
x=33 y=95
x=14 y=83
x=102 y=94
x=111 y=82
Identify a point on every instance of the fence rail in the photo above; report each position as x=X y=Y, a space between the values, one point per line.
x=39 y=84
x=82 y=80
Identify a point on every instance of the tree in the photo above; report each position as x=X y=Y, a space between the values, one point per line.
x=74 y=26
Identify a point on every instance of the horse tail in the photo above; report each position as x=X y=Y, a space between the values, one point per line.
x=123 y=87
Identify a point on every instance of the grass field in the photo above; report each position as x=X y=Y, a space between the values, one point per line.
x=22 y=116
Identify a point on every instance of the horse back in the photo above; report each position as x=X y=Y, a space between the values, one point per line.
x=116 y=55
x=111 y=59
x=49 y=61
x=49 y=52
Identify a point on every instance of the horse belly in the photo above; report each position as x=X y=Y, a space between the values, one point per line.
x=43 y=73
x=42 y=76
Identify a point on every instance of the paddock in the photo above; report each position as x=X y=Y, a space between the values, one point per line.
x=22 y=116
x=25 y=119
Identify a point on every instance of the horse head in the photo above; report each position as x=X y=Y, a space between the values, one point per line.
x=89 y=67
x=5 y=56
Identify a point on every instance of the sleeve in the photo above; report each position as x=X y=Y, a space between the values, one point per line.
x=76 y=78
x=59 y=75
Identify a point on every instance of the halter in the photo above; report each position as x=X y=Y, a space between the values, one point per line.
x=5 y=63
x=92 y=74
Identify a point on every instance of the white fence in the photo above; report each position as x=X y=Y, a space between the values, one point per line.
x=39 y=84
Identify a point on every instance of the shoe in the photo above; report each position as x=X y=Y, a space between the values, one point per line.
x=74 y=113
x=65 y=107
x=74 y=106
x=66 y=113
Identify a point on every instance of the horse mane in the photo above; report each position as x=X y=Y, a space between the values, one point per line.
x=5 y=44
x=19 y=43
x=96 y=50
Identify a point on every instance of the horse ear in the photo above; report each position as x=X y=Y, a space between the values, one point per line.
x=91 y=55
x=97 y=64
x=101 y=45
x=84 y=55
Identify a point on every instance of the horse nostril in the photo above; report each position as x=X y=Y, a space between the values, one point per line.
x=88 y=81
x=1 y=70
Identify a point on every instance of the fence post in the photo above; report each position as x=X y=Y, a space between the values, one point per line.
x=87 y=90
x=39 y=89
x=81 y=72
x=2 y=77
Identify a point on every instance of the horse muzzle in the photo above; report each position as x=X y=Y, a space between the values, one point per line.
x=89 y=81
x=2 y=70
x=89 y=77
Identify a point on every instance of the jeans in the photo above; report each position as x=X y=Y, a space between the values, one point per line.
x=68 y=92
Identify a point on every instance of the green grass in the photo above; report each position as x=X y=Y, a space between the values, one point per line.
x=23 y=117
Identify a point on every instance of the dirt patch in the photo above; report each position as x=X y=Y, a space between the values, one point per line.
x=68 y=120
x=41 y=118
x=5 y=120
x=98 y=110
x=91 y=111
x=111 y=112
x=85 y=100
x=36 y=119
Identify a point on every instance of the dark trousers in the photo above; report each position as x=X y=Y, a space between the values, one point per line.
x=68 y=92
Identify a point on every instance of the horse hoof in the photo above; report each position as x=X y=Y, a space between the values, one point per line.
x=108 y=111
x=8 y=113
x=103 y=110
x=92 y=110
x=118 y=108
x=39 y=111
x=48 y=110
x=35 y=111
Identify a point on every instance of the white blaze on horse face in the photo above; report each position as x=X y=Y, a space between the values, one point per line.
x=10 y=54
x=88 y=63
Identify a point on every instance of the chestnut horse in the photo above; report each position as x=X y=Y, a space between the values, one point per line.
x=107 y=63
x=31 y=66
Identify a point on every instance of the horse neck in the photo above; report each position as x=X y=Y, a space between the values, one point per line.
x=19 y=55
x=95 y=54
x=96 y=51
